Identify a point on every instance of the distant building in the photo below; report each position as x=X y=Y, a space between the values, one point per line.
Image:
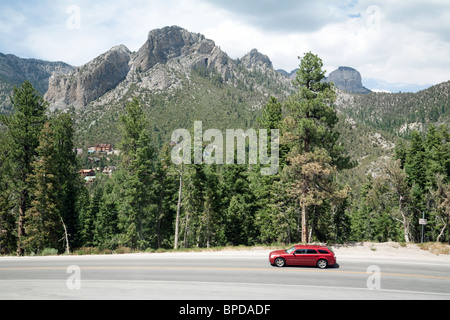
x=103 y=148
x=87 y=173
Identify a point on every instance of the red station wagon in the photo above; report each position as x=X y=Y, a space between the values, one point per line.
x=303 y=255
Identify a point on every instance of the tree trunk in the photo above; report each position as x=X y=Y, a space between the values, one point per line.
x=177 y=221
x=66 y=235
x=159 y=218
x=304 y=225
x=405 y=221
x=442 y=231
x=21 y=225
x=305 y=191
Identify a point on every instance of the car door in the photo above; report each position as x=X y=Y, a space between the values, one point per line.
x=310 y=257
x=298 y=258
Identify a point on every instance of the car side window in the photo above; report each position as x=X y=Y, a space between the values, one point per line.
x=311 y=251
x=300 y=251
x=323 y=251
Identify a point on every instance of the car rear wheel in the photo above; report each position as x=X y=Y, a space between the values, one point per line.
x=279 y=262
x=322 y=264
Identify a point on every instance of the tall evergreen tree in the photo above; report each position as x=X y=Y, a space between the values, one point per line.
x=8 y=233
x=270 y=202
x=43 y=223
x=166 y=187
x=316 y=154
x=23 y=128
x=135 y=208
x=415 y=161
x=66 y=166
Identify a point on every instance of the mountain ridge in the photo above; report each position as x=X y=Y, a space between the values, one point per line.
x=165 y=63
x=175 y=47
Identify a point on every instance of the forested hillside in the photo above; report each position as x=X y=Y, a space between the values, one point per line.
x=401 y=113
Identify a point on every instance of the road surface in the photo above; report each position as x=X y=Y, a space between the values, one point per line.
x=226 y=275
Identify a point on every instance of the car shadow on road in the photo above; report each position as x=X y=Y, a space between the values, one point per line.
x=335 y=266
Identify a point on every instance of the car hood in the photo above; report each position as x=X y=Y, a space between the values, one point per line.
x=278 y=252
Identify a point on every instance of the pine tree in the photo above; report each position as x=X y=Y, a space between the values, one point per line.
x=135 y=209
x=23 y=128
x=166 y=187
x=415 y=162
x=65 y=164
x=269 y=193
x=43 y=222
x=192 y=204
x=316 y=154
x=8 y=234
x=211 y=227
x=106 y=230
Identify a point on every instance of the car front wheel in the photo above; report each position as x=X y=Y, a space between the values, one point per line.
x=322 y=264
x=279 y=262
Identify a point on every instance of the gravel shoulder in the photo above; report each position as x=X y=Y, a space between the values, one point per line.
x=393 y=250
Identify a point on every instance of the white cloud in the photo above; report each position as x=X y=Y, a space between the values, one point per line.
x=397 y=41
x=104 y=24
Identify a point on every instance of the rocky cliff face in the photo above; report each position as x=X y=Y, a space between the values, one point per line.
x=169 y=55
x=90 y=81
x=347 y=79
x=165 y=44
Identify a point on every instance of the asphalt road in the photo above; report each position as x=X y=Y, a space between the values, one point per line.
x=219 y=276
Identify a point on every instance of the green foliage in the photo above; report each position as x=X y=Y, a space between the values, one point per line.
x=136 y=207
x=407 y=190
x=316 y=155
x=402 y=113
x=23 y=128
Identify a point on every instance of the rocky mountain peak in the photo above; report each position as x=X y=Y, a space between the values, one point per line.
x=347 y=79
x=151 y=68
x=168 y=43
x=91 y=80
x=255 y=58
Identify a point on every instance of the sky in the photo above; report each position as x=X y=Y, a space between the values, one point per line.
x=395 y=45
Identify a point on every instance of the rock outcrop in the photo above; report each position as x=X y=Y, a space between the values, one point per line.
x=256 y=59
x=89 y=82
x=347 y=79
x=153 y=67
x=165 y=61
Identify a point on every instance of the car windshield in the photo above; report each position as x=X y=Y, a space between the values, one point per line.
x=290 y=250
